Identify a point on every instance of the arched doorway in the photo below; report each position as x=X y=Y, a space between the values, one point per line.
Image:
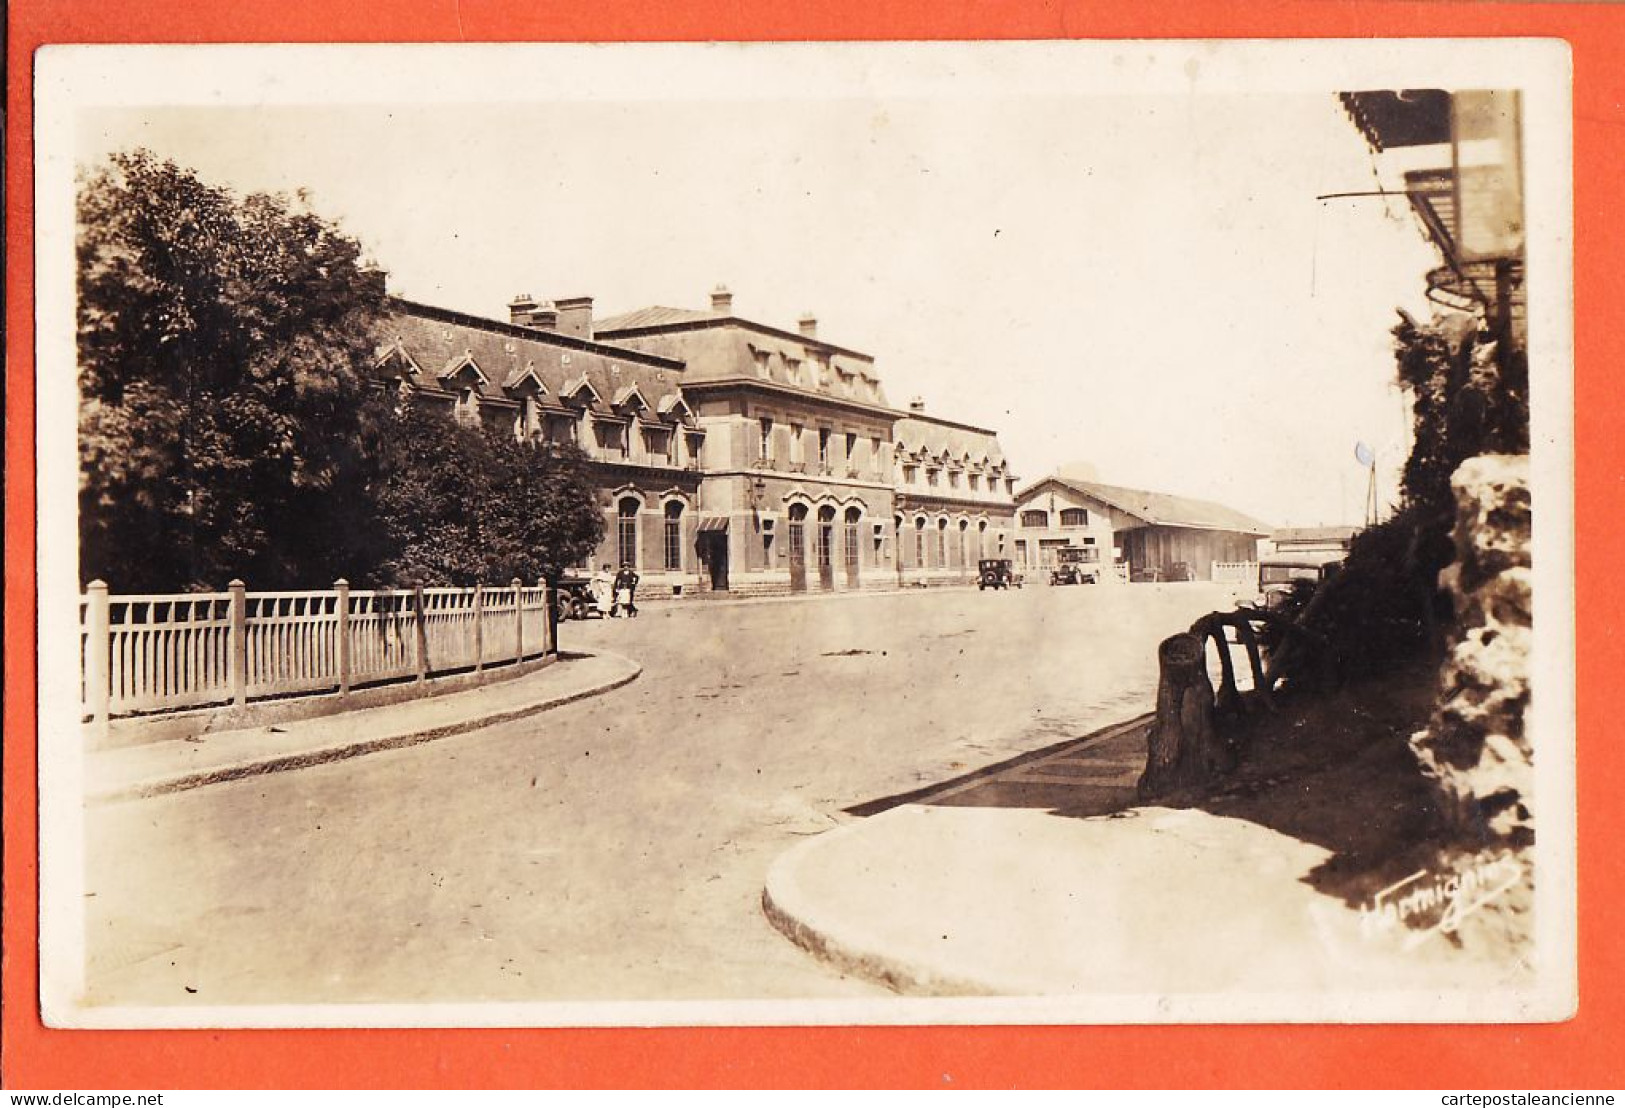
x=796 y=547
x=854 y=519
x=826 y=547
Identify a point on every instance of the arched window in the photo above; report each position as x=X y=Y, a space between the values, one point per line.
x=981 y=539
x=798 y=532
x=942 y=543
x=853 y=519
x=626 y=532
x=964 y=542
x=919 y=542
x=674 y=535
x=1074 y=517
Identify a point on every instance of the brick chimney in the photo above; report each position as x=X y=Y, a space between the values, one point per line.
x=722 y=301
x=523 y=311
x=374 y=280
x=809 y=325
x=575 y=316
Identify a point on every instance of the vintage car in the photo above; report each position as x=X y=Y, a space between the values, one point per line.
x=1287 y=580
x=573 y=597
x=1076 y=565
x=996 y=573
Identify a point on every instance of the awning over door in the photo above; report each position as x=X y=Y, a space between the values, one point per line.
x=712 y=523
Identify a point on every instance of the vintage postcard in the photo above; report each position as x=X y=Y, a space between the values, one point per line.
x=962 y=532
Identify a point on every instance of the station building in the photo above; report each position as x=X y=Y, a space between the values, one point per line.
x=1150 y=535
x=955 y=498
x=728 y=454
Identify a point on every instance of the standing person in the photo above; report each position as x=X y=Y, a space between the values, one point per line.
x=603 y=592
x=626 y=588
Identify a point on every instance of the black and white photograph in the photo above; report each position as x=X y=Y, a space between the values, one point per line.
x=809 y=533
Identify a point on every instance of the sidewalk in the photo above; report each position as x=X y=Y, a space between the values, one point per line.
x=171 y=766
x=1044 y=878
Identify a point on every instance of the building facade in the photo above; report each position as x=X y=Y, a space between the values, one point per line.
x=1312 y=540
x=623 y=408
x=1149 y=535
x=955 y=498
x=727 y=454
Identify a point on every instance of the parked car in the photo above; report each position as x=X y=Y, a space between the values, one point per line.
x=1076 y=565
x=1287 y=580
x=997 y=573
x=573 y=598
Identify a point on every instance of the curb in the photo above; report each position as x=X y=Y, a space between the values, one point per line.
x=237 y=771
x=786 y=906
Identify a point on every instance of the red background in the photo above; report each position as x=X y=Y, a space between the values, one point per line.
x=1578 y=1054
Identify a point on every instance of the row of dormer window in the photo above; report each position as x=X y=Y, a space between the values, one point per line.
x=606 y=438
x=971 y=481
x=815 y=371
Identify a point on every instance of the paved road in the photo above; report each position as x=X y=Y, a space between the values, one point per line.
x=614 y=848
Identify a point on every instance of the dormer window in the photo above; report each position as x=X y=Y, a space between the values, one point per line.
x=792 y=370
x=559 y=427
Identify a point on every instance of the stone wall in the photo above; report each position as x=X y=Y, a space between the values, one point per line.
x=1476 y=748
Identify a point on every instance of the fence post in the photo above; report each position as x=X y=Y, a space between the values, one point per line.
x=342 y=588
x=547 y=616
x=98 y=654
x=479 y=628
x=518 y=620
x=422 y=633
x=239 y=642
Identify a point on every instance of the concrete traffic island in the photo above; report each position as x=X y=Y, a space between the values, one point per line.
x=151 y=769
x=998 y=887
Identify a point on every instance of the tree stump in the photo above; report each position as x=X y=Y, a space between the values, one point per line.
x=1183 y=748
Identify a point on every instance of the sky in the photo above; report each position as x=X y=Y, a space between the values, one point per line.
x=1141 y=287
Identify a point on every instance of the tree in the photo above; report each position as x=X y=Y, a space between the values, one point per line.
x=223 y=352
x=459 y=505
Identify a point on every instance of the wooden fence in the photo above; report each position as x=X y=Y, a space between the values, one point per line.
x=155 y=653
x=1236 y=573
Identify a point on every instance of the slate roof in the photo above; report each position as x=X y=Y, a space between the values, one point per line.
x=655 y=316
x=1160 y=508
x=941 y=439
x=436 y=340
x=644 y=320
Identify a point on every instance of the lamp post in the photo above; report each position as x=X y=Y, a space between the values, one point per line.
x=901 y=500
x=756 y=488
